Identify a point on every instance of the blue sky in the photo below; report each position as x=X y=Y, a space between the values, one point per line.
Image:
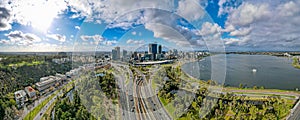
x=231 y=25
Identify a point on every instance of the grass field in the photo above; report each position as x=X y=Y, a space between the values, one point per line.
x=168 y=107
x=26 y=63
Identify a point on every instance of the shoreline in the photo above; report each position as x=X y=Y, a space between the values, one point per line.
x=236 y=87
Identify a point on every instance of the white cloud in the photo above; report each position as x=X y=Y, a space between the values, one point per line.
x=111 y=9
x=227 y=6
x=241 y=32
x=77 y=27
x=109 y=42
x=190 y=10
x=58 y=37
x=5 y=19
x=20 y=38
x=130 y=41
x=96 y=38
x=290 y=8
x=4 y=41
x=248 y=13
x=180 y=38
x=133 y=33
x=209 y=29
x=265 y=26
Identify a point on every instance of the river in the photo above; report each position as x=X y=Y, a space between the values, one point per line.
x=250 y=70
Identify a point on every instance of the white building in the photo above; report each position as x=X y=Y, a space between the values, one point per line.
x=20 y=97
x=30 y=92
x=46 y=84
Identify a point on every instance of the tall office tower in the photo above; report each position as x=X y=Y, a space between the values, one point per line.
x=118 y=52
x=152 y=50
x=159 y=49
x=124 y=54
x=114 y=54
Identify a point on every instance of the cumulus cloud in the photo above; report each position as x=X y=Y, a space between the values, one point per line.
x=93 y=37
x=109 y=42
x=111 y=9
x=241 y=32
x=20 y=38
x=130 y=41
x=77 y=27
x=227 y=6
x=190 y=10
x=167 y=33
x=96 y=39
x=58 y=37
x=266 y=26
x=209 y=29
x=290 y=8
x=5 y=19
x=248 y=13
x=133 y=33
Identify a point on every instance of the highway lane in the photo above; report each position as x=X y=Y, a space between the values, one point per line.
x=155 y=107
x=126 y=99
x=295 y=112
x=45 y=108
x=138 y=102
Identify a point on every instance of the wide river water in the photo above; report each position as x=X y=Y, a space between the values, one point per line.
x=271 y=72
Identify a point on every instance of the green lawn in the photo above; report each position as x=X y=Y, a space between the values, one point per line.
x=168 y=107
x=23 y=63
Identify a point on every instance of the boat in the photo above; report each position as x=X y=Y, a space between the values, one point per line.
x=254 y=70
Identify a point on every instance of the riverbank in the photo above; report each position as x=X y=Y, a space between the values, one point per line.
x=296 y=62
x=240 y=70
x=247 y=98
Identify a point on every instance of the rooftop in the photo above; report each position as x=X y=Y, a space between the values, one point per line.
x=19 y=94
x=30 y=89
x=50 y=80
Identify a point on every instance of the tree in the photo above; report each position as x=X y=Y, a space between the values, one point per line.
x=241 y=85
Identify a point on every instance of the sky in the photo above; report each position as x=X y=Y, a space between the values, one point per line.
x=100 y=25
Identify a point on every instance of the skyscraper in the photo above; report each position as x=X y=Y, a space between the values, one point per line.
x=159 y=49
x=118 y=52
x=152 y=50
x=114 y=54
x=124 y=57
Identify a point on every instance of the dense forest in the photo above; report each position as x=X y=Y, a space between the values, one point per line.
x=99 y=94
x=19 y=71
x=67 y=109
x=15 y=75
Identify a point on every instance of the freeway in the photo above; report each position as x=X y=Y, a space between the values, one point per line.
x=125 y=93
x=44 y=109
x=137 y=100
x=152 y=103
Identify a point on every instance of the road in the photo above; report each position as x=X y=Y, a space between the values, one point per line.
x=155 y=109
x=125 y=92
x=45 y=108
x=295 y=112
x=138 y=102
